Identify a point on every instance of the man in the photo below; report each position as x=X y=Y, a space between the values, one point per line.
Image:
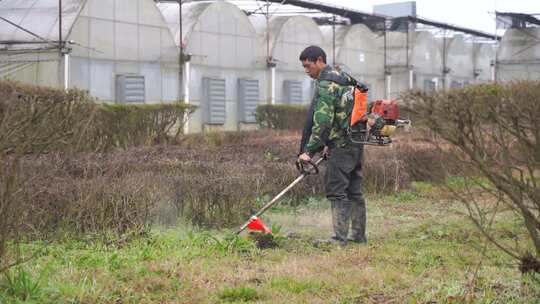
x=326 y=132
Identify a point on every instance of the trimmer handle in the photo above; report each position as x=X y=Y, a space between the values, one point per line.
x=403 y=123
x=301 y=166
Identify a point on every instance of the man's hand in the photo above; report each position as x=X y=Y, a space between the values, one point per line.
x=372 y=119
x=326 y=152
x=304 y=157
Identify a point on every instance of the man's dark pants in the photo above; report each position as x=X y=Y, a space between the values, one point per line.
x=344 y=190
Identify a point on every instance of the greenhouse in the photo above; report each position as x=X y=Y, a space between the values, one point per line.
x=234 y=59
x=222 y=74
x=288 y=37
x=484 y=56
x=120 y=51
x=414 y=61
x=519 y=54
x=459 y=66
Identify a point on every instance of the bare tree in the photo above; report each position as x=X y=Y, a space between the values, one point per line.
x=493 y=129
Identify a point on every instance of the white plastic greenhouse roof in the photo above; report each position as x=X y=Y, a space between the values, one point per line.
x=31 y=21
x=341 y=32
x=277 y=25
x=191 y=13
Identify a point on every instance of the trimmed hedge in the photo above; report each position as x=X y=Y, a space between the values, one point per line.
x=281 y=116
x=120 y=125
x=34 y=119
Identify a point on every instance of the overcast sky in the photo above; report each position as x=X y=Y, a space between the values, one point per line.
x=475 y=14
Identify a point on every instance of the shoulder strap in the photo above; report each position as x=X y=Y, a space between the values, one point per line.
x=361 y=86
x=344 y=79
x=339 y=79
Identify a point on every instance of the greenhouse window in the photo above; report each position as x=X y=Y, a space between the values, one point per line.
x=130 y=88
x=456 y=85
x=214 y=100
x=293 y=92
x=430 y=85
x=248 y=99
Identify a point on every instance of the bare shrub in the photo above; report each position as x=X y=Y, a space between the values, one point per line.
x=35 y=119
x=215 y=180
x=225 y=181
x=227 y=187
x=37 y=197
x=494 y=129
x=384 y=169
x=32 y=120
x=90 y=192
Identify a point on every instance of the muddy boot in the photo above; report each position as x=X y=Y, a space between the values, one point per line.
x=358 y=221
x=341 y=211
x=333 y=241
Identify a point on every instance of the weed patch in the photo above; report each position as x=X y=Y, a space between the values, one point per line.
x=404 y=197
x=22 y=284
x=239 y=294
x=296 y=286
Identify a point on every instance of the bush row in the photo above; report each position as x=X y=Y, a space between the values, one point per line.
x=34 y=119
x=211 y=185
x=120 y=125
x=281 y=116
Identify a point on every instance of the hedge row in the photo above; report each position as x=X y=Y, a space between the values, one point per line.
x=209 y=184
x=281 y=116
x=35 y=119
x=120 y=125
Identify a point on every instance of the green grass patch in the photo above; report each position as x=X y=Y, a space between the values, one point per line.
x=404 y=197
x=239 y=294
x=418 y=252
x=296 y=286
x=423 y=187
x=21 y=284
x=463 y=182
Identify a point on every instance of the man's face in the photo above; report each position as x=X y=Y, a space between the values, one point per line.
x=313 y=69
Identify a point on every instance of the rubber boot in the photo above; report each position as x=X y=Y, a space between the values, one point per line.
x=341 y=211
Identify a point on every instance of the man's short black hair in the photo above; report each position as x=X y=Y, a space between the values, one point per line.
x=313 y=52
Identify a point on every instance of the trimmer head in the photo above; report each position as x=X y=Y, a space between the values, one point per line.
x=256 y=224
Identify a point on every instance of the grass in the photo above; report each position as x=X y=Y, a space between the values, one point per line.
x=19 y=283
x=420 y=251
x=239 y=294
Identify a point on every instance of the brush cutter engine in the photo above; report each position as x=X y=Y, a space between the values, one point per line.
x=382 y=122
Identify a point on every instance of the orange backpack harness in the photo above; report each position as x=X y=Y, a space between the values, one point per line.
x=360 y=106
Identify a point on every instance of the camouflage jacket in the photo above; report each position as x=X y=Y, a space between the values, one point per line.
x=331 y=111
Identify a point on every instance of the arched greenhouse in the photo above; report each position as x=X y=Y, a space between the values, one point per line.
x=519 y=54
x=117 y=50
x=222 y=75
x=414 y=61
x=289 y=36
x=484 y=56
x=459 y=62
